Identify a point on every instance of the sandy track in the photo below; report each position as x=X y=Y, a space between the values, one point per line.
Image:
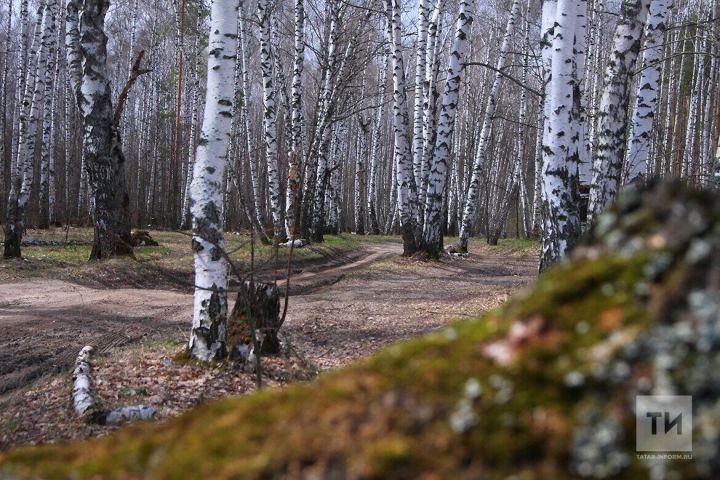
x=46 y=322
x=330 y=322
x=389 y=301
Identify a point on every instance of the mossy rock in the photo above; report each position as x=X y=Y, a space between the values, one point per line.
x=543 y=388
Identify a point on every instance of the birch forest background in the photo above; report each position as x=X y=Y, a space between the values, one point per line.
x=326 y=95
x=210 y=197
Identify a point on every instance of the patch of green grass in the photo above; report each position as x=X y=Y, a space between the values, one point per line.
x=173 y=254
x=513 y=246
x=343 y=242
x=67 y=254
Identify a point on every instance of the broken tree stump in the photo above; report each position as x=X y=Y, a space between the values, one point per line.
x=262 y=302
x=142 y=237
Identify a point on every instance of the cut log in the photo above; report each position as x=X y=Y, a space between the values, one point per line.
x=87 y=404
x=84 y=398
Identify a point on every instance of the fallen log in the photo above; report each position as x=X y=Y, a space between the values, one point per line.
x=87 y=404
x=84 y=398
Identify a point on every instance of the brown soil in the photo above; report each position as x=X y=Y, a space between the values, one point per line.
x=349 y=308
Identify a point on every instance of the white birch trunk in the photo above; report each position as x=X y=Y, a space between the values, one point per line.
x=420 y=66
x=561 y=223
x=469 y=209
x=612 y=112
x=244 y=112
x=32 y=98
x=209 y=330
x=46 y=154
x=437 y=179
x=270 y=119
x=406 y=187
x=295 y=152
x=375 y=149
x=647 y=93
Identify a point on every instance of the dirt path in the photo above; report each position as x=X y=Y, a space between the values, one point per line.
x=398 y=298
x=46 y=322
x=380 y=299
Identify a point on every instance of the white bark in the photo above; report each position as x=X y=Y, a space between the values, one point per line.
x=406 y=187
x=420 y=66
x=647 y=92
x=29 y=114
x=612 y=112
x=270 y=118
x=84 y=397
x=437 y=179
x=47 y=169
x=244 y=112
x=690 y=129
x=561 y=223
x=295 y=152
x=209 y=331
x=375 y=149
x=469 y=209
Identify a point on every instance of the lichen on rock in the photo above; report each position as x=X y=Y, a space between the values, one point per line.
x=543 y=387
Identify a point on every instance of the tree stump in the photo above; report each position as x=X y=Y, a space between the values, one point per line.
x=142 y=237
x=262 y=302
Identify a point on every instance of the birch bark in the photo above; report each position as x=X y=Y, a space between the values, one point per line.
x=209 y=330
x=469 y=209
x=647 y=92
x=437 y=179
x=561 y=222
x=612 y=112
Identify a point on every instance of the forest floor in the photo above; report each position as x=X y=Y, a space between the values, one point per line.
x=348 y=298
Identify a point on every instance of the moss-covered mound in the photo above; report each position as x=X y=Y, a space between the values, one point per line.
x=543 y=388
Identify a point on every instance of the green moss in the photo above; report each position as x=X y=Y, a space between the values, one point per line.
x=395 y=406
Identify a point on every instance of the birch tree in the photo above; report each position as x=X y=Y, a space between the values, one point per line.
x=295 y=151
x=376 y=140
x=469 y=209
x=561 y=222
x=29 y=114
x=405 y=180
x=612 y=112
x=209 y=330
x=270 y=117
x=86 y=44
x=432 y=228
x=647 y=92
x=47 y=168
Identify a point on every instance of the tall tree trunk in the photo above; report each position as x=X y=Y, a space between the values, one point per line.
x=245 y=120
x=647 y=92
x=437 y=178
x=270 y=118
x=373 y=221
x=22 y=184
x=46 y=144
x=469 y=209
x=612 y=113
x=561 y=222
x=176 y=171
x=209 y=329
x=87 y=58
x=406 y=187
x=420 y=66
x=296 y=136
